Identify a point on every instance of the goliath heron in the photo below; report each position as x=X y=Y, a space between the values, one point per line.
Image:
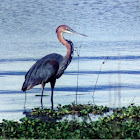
x=52 y=66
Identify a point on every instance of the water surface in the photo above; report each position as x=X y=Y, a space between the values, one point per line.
x=27 y=30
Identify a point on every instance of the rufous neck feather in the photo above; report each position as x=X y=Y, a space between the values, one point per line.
x=64 y=42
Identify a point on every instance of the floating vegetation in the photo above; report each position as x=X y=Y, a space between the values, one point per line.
x=71 y=109
x=123 y=123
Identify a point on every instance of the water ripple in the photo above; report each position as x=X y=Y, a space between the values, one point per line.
x=133 y=72
x=80 y=89
x=128 y=57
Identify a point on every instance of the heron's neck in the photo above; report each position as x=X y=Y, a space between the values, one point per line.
x=68 y=45
x=70 y=52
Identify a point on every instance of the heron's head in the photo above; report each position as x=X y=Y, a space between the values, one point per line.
x=67 y=29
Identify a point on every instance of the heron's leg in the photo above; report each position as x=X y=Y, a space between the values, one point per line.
x=52 y=88
x=52 y=99
x=25 y=101
x=43 y=85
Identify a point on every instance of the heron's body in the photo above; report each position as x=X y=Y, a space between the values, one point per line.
x=50 y=67
x=47 y=69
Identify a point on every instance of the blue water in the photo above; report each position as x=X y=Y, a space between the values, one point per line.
x=27 y=33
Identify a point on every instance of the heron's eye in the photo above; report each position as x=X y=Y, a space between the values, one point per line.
x=67 y=29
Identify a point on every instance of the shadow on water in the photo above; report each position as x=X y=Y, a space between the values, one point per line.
x=103 y=72
x=17 y=60
x=80 y=89
x=5 y=73
x=127 y=57
x=98 y=88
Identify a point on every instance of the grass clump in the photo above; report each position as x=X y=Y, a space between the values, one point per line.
x=123 y=123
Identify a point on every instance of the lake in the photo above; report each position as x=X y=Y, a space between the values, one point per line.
x=105 y=69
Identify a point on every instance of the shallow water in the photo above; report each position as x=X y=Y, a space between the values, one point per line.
x=27 y=30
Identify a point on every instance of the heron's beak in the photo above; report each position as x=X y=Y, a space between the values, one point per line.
x=71 y=31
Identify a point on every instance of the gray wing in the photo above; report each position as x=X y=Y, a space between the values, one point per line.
x=42 y=71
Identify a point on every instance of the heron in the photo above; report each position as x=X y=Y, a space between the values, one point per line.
x=52 y=66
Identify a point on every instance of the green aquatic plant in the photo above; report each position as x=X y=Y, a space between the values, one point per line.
x=122 y=124
x=84 y=109
x=71 y=109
